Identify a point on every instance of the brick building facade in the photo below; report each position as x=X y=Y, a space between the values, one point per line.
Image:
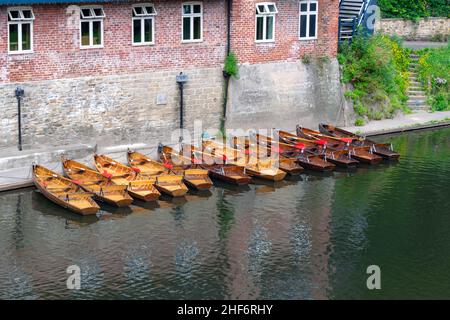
x=92 y=67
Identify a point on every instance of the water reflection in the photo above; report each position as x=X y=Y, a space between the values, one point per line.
x=308 y=237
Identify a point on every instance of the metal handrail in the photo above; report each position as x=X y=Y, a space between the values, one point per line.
x=356 y=21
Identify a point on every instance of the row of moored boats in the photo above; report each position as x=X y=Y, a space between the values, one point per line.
x=236 y=161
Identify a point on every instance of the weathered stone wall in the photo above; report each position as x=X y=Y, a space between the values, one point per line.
x=424 y=29
x=284 y=94
x=109 y=110
x=113 y=110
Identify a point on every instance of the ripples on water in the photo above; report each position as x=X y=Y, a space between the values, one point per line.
x=310 y=237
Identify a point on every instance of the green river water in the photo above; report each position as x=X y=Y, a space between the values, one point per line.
x=309 y=237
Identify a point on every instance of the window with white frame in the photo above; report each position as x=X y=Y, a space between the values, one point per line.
x=20 y=30
x=308 y=20
x=143 y=24
x=192 y=15
x=91 y=26
x=265 y=21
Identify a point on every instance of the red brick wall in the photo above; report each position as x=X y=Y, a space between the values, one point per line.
x=287 y=46
x=57 y=52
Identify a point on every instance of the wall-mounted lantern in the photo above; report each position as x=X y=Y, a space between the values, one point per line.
x=19 y=93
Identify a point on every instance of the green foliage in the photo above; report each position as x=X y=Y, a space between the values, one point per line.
x=434 y=73
x=414 y=10
x=231 y=66
x=306 y=59
x=360 y=122
x=377 y=68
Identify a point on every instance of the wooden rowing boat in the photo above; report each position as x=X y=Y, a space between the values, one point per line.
x=92 y=181
x=288 y=165
x=381 y=149
x=361 y=154
x=138 y=187
x=267 y=169
x=224 y=153
x=194 y=176
x=228 y=173
x=305 y=157
x=167 y=181
x=320 y=148
x=63 y=191
x=145 y=165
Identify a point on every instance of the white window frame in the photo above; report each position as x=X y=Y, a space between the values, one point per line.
x=91 y=20
x=142 y=17
x=19 y=22
x=191 y=16
x=308 y=14
x=265 y=14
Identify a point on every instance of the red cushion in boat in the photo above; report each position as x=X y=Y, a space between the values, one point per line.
x=107 y=175
x=246 y=151
x=347 y=140
x=168 y=165
x=321 y=142
x=224 y=157
x=299 y=145
x=137 y=170
x=196 y=161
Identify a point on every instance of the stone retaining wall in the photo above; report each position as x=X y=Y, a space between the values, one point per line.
x=144 y=108
x=109 y=110
x=424 y=29
x=285 y=94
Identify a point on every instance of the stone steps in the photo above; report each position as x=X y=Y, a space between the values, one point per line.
x=417 y=98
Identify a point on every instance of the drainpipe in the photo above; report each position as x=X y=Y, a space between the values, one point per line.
x=181 y=79
x=229 y=7
x=19 y=93
x=226 y=76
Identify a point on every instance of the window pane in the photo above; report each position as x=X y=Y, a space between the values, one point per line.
x=186 y=28
x=269 y=28
x=97 y=32
x=98 y=12
x=26 y=36
x=14 y=14
x=197 y=8
x=271 y=8
x=260 y=9
x=138 y=10
x=303 y=26
x=312 y=25
x=85 y=33
x=13 y=37
x=86 y=12
x=259 y=28
x=197 y=28
x=27 y=14
x=150 y=10
x=148 y=30
x=137 y=31
x=303 y=7
x=312 y=7
x=186 y=9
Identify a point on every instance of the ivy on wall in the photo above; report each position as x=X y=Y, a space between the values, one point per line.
x=414 y=10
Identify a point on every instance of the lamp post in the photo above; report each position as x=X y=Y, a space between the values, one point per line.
x=181 y=80
x=19 y=93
